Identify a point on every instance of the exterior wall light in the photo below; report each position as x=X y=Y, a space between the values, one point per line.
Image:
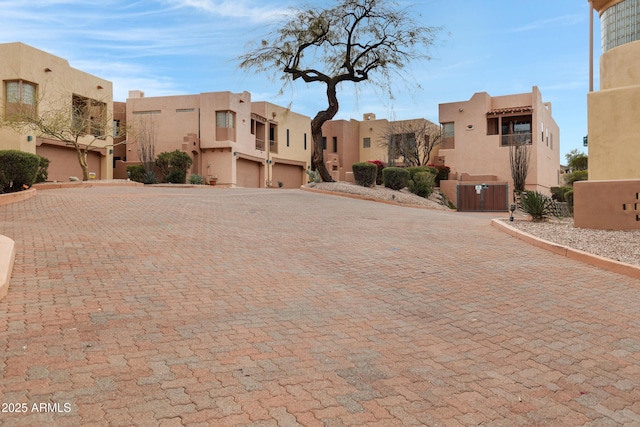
x=29 y=138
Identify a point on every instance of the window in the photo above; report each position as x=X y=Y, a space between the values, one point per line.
x=448 y=135
x=305 y=141
x=88 y=116
x=225 y=119
x=516 y=130
x=185 y=110
x=335 y=144
x=225 y=126
x=492 y=126
x=287 y=137
x=116 y=129
x=273 y=137
x=366 y=142
x=619 y=24
x=20 y=99
x=324 y=142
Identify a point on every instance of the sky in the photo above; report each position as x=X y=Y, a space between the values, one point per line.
x=176 y=47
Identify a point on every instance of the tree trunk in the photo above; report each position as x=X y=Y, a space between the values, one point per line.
x=82 y=160
x=317 y=158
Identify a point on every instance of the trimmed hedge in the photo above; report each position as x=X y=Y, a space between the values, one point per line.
x=395 y=178
x=365 y=173
x=380 y=166
x=422 y=184
x=136 y=173
x=17 y=170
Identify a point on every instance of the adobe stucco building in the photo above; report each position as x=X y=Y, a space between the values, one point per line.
x=231 y=139
x=348 y=142
x=43 y=82
x=478 y=133
x=611 y=197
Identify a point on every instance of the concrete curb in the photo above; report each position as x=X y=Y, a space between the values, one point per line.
x=7 y=258
x=594 y=260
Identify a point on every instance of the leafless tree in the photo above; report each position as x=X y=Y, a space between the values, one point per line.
x=353 y=41
x=145 y=131
x=411 y=140
x=80 y=122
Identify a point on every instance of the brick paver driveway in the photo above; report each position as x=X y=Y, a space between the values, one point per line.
x=176 y=306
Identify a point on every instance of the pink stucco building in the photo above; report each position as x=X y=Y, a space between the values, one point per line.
x=478 y=133
x=232 y=140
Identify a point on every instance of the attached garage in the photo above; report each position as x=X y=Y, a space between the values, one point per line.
x=63 y=162
x=247 y=173
x=291 y=175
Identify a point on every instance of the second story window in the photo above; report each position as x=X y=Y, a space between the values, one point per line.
x=225 y=119
x=225 y=126
x=20 y=99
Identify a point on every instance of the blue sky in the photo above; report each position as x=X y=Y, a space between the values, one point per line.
x=172 y=47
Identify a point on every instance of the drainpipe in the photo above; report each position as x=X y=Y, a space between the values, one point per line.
x=591 y=46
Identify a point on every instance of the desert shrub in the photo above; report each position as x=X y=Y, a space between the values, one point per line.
x=537 y=205
x=557 y=193
x=17 y=170
x=422 y=184
x=136 y=173
x=416 y=169
x=442 y=173
x=568 y=197
x=365 y=173
x=43 y=170
x=314 y=176
x=173 y=165
x=196 y=179
x=176 y=176
x=572 y=177
x=380 y=166
x=395 y=178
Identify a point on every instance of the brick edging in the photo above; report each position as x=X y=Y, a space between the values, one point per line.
x=7 y=258
x=578 y=255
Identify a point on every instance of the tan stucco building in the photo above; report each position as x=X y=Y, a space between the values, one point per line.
x=610 y=199
x=348 y=142
x=478 y=133
x=231 y=139
x=35 y=79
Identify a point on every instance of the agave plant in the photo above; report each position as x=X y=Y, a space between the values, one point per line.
x=537 y=205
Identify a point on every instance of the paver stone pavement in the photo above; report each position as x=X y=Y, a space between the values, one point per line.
x=240 y=307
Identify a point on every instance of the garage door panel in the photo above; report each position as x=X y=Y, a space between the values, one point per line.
x=247 y=173
x=289 y=175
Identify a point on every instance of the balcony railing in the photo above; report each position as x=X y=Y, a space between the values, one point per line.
x=260 y=145
x=273 y=146
x=519 y=138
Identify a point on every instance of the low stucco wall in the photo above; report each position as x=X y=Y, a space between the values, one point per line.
x=607 y=205
x=6 y=199
x=7 y=258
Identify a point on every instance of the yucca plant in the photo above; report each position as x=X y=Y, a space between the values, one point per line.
x=537 y=205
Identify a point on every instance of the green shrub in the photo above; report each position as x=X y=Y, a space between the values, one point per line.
x=380 y=166
x=577 y=176
x=422 y=184
x=176 y=176
x=568 y=197
x=417 y=169
x=136 y=173
x=557 y=193
x=442 y=175
x=43 y=170
x=314 y=176
x=17 y=170
x=395 y=178
x=365 y=173
x=173 y=166
x=196 y=179
x=537 y=205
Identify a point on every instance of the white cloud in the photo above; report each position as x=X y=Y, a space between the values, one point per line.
x=564 y=20
x=234 y=9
